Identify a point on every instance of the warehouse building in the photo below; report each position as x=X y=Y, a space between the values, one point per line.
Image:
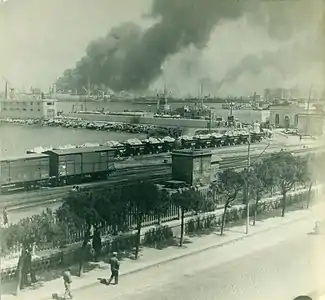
x=28 y=107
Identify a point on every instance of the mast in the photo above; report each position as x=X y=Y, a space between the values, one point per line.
x=166 y=97
x=6 y=89
x=88 y=92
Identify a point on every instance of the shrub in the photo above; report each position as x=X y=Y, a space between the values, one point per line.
x=157 y=236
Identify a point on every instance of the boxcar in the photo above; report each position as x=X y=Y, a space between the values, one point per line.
x=77 y=165
x=24 y=172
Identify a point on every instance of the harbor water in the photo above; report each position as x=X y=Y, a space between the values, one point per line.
x=16 y=139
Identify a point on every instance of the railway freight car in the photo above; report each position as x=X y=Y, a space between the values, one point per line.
x=77 y=165
x=26 y=172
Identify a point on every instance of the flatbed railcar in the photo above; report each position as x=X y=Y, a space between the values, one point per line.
x=25 y=172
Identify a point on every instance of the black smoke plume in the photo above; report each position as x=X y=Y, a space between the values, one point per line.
x=130 y=59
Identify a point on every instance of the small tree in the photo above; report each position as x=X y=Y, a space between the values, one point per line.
x=163 y=203
x=258 y=183
x=285 y=170
x=230 y=183
x=143 y=198
x=80 y=208
x=306 y=176
x=187 y=200
x=37 y=230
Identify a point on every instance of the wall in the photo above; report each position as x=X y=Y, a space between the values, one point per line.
x=23 y=109
x=202 y=170
x=291 y=112
x=182 y=168
x=28 y=108
x=245 y=116
x=50 y=109
x=311 y=125
x=143 y=120
x=193 y=169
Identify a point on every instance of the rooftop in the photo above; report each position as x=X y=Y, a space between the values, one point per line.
x=80 y=150
x=24 y=156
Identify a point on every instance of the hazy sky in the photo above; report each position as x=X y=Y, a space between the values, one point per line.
x=275 y=45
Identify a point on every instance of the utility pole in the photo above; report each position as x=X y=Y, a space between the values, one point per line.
x=247 y=181
x=308 y=110
x=201 y=94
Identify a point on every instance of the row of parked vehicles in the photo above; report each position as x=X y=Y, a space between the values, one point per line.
x=55 y=167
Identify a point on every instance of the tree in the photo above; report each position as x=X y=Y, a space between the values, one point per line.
x=143 y=198
x=258 y=183
x=306 y=176
x=80 y=209
x=36 y=230
x=285 y=171
x=163 y=203
x=230 y=183
x=187 y=200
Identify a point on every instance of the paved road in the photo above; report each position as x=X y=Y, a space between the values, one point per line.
x=280 y=265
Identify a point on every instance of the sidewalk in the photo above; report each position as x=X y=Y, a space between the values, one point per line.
x=151 y=257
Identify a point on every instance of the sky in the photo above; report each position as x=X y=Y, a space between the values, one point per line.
x=277 y=44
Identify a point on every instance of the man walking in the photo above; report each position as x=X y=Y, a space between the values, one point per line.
x=115 y=267
x=67 y=284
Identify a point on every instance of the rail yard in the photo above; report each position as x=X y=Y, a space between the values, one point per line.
x=156 y=168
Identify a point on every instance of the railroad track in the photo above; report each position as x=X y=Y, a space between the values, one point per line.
x=157 y=172
x=35 y=198
x=58 y=198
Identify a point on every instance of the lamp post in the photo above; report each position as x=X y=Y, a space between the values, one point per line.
x=247 y=179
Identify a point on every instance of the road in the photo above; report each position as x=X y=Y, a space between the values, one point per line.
x=278 y=265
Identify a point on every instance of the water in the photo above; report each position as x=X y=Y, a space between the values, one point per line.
x=16 y=139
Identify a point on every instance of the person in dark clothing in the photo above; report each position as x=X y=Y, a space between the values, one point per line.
x=28 y=268
x=115 y=267
x=97 y=244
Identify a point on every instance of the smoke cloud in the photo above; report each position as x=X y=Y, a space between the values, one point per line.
x=183 y=32
x=130 y=59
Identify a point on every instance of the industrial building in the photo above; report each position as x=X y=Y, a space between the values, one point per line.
x=25 y=106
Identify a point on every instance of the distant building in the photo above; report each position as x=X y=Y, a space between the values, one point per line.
x=285 y=116
x=28 y=108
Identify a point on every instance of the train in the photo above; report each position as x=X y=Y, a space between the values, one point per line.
x=134 y=147
x=57 y=167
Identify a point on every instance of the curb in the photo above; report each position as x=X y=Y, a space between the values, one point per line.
x=177 y=257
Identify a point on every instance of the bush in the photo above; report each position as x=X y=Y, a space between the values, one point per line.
x=158 y=236
x=123 y=242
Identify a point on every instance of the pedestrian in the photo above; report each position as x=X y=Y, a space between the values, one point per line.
x=97 y=244
x=115 y=267
x=67 y=284
x=5 y=217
